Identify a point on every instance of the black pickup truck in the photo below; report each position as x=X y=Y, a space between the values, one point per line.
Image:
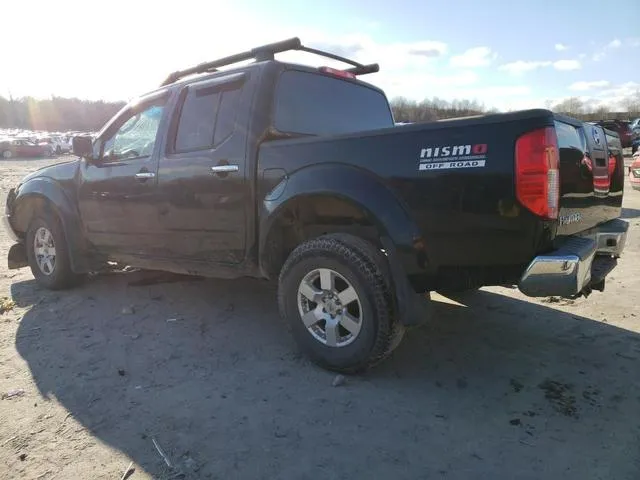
x=299 y=175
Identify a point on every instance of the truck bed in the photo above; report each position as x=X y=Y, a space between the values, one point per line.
x=456 y=179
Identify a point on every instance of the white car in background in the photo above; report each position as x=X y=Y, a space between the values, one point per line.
x=60 y=144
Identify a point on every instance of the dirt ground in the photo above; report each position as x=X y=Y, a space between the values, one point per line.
x=494 y=386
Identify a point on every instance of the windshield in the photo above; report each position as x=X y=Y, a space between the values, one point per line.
x=315 y=104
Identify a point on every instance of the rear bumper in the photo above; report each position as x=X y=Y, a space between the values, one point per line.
x=579 y=265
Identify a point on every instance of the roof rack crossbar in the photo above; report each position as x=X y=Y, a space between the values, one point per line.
x=267 y=52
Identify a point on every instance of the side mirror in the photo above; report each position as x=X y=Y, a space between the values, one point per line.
x=83 y=147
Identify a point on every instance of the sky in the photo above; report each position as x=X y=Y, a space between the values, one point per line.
x=506 y=54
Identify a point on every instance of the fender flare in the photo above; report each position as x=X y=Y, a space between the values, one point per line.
x=349 y=183
x=52 y=193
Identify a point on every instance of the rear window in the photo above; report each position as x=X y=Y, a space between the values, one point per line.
x=316 y=104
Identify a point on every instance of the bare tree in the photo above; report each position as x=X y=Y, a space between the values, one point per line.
x=571 y=106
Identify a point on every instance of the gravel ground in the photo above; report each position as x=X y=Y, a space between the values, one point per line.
x=494 y=386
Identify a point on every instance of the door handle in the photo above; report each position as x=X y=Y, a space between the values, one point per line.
x=145 y=175
x=225 y=168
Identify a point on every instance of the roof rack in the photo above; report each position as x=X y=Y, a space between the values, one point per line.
x=267 y=52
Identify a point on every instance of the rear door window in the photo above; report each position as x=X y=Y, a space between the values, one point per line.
x=207 y=116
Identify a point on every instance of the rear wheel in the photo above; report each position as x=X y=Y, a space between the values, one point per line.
x=7 y=154
x=334 y=297
x=48 y=254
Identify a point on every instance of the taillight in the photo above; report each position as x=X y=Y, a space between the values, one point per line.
x=537 y=175
x=612 y=165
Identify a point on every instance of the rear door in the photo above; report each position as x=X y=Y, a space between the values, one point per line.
x=586 y=198
x=203 y=182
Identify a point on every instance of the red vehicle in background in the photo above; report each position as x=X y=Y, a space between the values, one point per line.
x=19 y=147
x=622 y=128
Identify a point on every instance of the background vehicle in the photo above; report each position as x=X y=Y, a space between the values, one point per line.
x=24 y=148
x=61 y=144
x=621 y=127
x=634 y=173
x=299 y=175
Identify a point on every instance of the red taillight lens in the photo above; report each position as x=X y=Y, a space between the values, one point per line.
x=612 y=165
x=537 y=175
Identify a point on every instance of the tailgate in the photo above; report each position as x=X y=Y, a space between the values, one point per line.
x=591 y=176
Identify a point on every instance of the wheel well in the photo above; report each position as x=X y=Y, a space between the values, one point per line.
x=310 y=217
x=26 y=210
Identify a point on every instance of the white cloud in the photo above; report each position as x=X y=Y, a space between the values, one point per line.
x=396 y=56
x=418 y=86
x=427 y=49
x=616 y=43
x=618 y=93
x=561 y=47
x=567 y=65
x=521 y=66
x=474 y=57
x=614 y=98
x=583 y=86
x=582 y=55
x=613 y=44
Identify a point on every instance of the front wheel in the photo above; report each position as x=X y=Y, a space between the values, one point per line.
x=333 y=295
x=48 y=254
x=7 y=154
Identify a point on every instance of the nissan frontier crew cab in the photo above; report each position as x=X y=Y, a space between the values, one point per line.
x=298 y=175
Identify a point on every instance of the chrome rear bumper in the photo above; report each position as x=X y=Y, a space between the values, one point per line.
x=569 y=270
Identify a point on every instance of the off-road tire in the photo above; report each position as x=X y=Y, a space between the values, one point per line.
x=364 y=266
x=62 y=276
x=398 y=330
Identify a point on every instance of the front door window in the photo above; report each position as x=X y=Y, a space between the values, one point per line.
x=135 y=138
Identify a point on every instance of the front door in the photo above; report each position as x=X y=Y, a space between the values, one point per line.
x=202 y=181
x=117 y=188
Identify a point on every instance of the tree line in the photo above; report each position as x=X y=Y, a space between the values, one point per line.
x=430 y=110
x=58 y=114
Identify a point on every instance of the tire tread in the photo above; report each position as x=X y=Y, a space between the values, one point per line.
x=360 y=255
